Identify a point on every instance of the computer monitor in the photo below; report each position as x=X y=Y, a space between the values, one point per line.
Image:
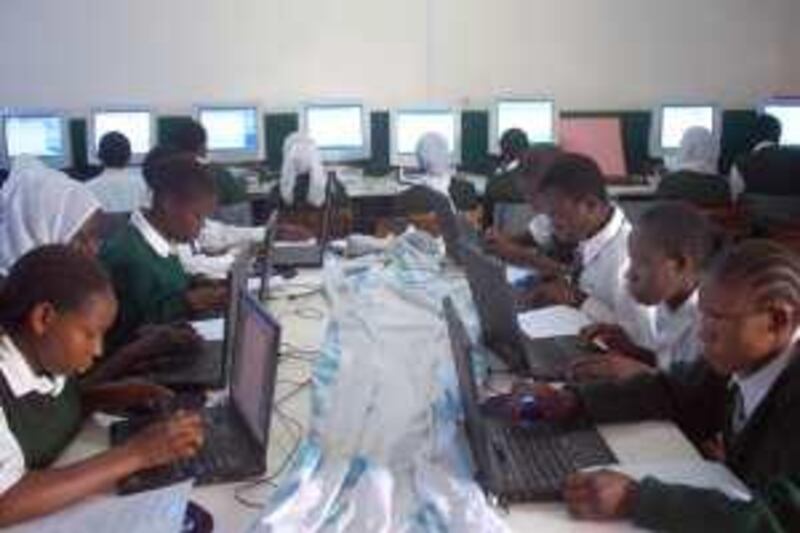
x=787 y=111
x=340 y=130
x=138 y=125
x=409 y=125
x=235 y=132
x=536 y=117
x=671 y=122
x=40 y=134
x=597 y=137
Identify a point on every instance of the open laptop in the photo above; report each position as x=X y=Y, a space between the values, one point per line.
x=548 y=358
x=208 y=367
x=264 y=263
x=517 y=463
x=237 y=431
x=305 y=255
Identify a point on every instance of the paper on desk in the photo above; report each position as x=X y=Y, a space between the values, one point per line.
x=698 y=474
x=291 y=244
x=211 y=330
x=155 y=511
x=554 y=321
x=515 y=273
x=275 y=282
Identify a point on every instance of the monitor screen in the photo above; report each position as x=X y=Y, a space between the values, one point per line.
x=335 y=127
x=41 y=136
x=135 y=125
x=599 y=138
x=534 y=117
x=255 y=364
x=231 y=129
x=789 y=117
x=675 y=120
x=412 y=125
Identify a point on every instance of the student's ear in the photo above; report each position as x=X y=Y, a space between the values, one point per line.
x=41 y=317
x=782 y=317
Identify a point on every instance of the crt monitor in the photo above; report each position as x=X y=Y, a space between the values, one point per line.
x=535 y=117
x=339 y=130
x=672 y=121
x=408 y=126
x=135 y=124
x=788 y=113
x=234 y=132
x=43 y=135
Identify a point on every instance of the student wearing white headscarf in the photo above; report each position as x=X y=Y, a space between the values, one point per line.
x=38 y=206
x=433 y=157
x=302 y=158
x=694 y=176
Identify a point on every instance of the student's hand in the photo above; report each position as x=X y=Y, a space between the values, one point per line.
x=713 y=449
x=168 y=441
x=556 y=291
x=204 y=299
x=611 y=335
x=293 y=232
x=116 y=398
x=551 y=403
x=609 y=367
x=601 y=495
x=168 y=338
x=500 y=245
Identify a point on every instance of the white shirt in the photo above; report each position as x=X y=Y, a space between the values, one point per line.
x=120 y=190
x=676 y=333
x=756 y=386
x=737 y=183
x=605 y=260
x=21 y=380
x=222 y=241
x=154 y=239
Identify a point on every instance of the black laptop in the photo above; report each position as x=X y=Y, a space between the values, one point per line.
x=308 y=255
x=516 y=463
x=264 y=268
x=237 y=431
x=208 y=367
x=548 y=358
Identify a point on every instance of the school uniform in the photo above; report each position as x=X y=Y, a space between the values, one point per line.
x=148 y=278
x=768 y=170
x=603 y=261
x=676 y=337
x=120 y=190
x=756 y=416
x=696 y=187
x=39 y=415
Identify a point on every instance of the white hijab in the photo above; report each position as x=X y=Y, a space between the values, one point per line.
x=698 y=152
x=433 y=156
x=301 y=156
x=39 y=206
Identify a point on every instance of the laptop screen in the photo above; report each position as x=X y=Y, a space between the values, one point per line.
x=255 y=366
x=270 y=230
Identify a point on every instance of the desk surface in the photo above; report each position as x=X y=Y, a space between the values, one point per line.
x=303 y=320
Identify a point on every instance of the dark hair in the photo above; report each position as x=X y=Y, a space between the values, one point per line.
x=153 y=158
x=181 y=175
x=189 y=136
x=766 y=128
x=535 y=162
x=53 y=273
x=681 y=230
x=767 y=269
x=576 y=176
x=514 y=141
x=114 y=150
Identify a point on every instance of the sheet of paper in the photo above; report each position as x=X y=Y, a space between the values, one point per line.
x=698 y=474
x=515 y=274
x=291 y=244
x=211 y=330
x=555 y=321
x=156 y=511
x=275 y=282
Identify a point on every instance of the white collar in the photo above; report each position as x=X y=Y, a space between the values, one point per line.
x=591 y=247
x=755 y=387
x=763 y=145
x=20 y=376
x=681 y=318
x=160 y=244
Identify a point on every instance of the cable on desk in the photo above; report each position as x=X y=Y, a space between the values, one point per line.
x=309 y=313
x=292 y=393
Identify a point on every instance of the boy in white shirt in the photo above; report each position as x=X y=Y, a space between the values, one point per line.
x=119 y=189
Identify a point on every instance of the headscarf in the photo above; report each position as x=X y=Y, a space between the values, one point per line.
x=39 y=206
x=433 y=157
x=301 y=156
x=698 y=152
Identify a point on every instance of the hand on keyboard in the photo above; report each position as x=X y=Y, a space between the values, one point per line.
x=551 y=403
x=161 y=443
x=601 y=495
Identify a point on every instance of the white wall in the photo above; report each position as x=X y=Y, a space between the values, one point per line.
x=590 y=54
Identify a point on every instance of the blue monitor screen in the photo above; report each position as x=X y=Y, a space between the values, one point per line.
x=231 y=130
x=412 y=125
x=41 y=136
x=336 y=126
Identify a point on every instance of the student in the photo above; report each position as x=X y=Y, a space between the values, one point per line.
x=504 y=185
x=575 y=200
x=669 y=248
x=694 y=176
x=151 y=284
x=435 y=163
x=750 y=330
x=55 y=308
x=303 y=178
x=118 y=188
x=768 y=169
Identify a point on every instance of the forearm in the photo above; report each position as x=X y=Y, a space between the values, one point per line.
x=115 y=364
x=43 y=492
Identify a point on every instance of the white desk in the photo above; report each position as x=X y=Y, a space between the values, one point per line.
x=631 y=443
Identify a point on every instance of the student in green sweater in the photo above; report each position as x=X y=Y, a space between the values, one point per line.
x=749 y=330
x=54 y=310
x=151 y=285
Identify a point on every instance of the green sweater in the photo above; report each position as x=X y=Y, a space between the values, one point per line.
x=150 y=288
